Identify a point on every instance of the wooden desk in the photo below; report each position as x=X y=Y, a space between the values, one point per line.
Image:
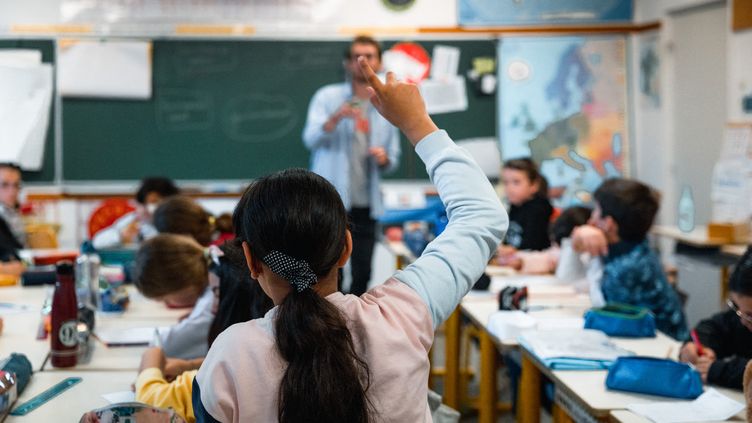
x=736 y=250
x=479 y=306
x=20 y=329
x=70 y=405
x=696 y=245
x=582 y=394
x=626 y=416
x=697 y=238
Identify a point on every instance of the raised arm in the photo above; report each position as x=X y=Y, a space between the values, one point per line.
x=452 y=263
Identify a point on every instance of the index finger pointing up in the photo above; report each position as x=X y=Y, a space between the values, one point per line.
x=370 y=75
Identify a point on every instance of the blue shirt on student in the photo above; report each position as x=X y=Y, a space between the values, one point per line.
x=632 y=274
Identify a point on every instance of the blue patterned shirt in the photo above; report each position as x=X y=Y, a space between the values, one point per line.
x=632 y=274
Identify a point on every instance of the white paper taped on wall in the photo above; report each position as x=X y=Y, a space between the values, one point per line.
x=25 y=99
x=444 y=96
x=445 y=62
x=105 y=69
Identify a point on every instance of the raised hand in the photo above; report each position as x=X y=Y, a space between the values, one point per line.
x=399 y=102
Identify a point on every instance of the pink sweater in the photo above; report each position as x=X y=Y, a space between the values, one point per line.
x=392 y=331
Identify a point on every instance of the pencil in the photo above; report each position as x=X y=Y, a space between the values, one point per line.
x=696 y=341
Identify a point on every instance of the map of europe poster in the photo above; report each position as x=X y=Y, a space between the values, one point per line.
x=563 y=102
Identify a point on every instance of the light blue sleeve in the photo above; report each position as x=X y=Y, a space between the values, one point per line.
x=314 y=135
x=454 y=261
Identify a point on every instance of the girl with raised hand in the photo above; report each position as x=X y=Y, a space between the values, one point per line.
x=319 y=355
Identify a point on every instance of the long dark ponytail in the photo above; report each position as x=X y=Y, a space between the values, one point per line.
x=299 y=214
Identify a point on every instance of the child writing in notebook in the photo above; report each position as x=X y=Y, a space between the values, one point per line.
x=529 y=209
x=726 y=337
x=167 y=382
x=174 y=269
x=617 y=235
x=323 y=356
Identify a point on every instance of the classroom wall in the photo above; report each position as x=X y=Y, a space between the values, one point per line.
x=654 y=128
x=341 y=13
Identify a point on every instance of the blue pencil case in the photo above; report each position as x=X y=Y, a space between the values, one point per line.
x=621 y=320
x=654 y=376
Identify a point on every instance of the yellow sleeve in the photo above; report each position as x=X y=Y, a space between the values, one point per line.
x=153 y=389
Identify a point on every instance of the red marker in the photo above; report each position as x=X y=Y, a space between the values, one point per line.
x=697 y=343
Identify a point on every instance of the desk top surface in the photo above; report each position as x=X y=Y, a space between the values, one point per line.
x=548 y=297
x=626 y=416
x=22 y=325
x=698 y=237
x=70 y=405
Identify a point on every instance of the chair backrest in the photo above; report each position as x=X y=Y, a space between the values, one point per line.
x=107 y=213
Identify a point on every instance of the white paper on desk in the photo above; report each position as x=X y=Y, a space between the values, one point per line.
x=572 y=343
x=121 y=396
x=128 y=337
x=550 y=323
x=506 y=324
x=710 y=406
x=8 y=309
x=444 y=95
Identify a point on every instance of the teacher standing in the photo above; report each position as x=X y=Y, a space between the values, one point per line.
x=351 y=146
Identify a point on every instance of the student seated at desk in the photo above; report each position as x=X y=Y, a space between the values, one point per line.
x=175 y=269
x=181 y=215
x=546 y=261
x=632 y=273
x=561 y=258
x=10 y=188
x=136 y=226
x=12 y=235
x=529 y=209
x=167 y=382
x=726 y=337
x=10 y=263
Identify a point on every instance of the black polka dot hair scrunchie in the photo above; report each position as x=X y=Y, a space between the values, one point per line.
x=297 y=272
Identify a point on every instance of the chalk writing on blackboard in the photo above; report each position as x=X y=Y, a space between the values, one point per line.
x=192 y=60
x=259 y=118
x=184 y=109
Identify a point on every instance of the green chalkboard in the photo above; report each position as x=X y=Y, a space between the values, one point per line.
x=229 y=110
x=47 y=47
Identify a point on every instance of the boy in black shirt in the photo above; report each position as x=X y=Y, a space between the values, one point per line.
x=726 y=337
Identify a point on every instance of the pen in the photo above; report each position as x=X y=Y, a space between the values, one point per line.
x=697 y=343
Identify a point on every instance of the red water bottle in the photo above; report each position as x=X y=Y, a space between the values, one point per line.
x=64 y=327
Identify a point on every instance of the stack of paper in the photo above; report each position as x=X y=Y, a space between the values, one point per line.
x=572 y=349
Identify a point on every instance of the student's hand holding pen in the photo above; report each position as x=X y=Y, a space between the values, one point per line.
x=690 y=354
x=400 y=103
